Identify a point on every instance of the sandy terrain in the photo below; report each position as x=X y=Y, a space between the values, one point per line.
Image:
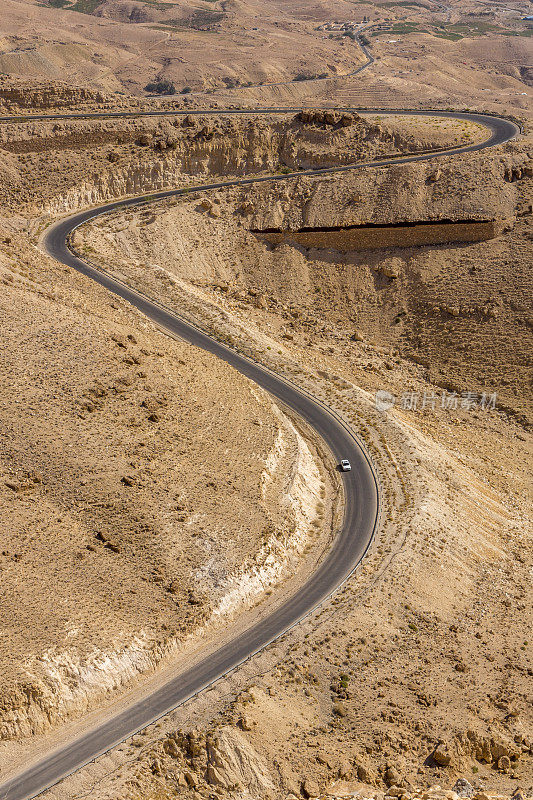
x=147 y=490
x=472 y=54
x=131 y=514
x=435 y=622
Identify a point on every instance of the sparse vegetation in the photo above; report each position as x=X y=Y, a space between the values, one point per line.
x=160 y=87
x=132 y=479
x=231 y=82
x=309 y=76
x=85 y=6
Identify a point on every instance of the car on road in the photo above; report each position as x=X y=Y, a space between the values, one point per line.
x=345 y=465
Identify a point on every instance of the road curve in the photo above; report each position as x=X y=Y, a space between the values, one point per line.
x=360 y=485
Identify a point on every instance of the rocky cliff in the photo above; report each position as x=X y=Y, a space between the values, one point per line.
x=21 y=95
x=75 y=163
x=476 y=188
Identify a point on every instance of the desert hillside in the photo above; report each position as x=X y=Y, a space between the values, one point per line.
x=155 y=503
x=213 y=52
x=432 y=304
x=140 y=479
x=78 y=163
x=418 y=673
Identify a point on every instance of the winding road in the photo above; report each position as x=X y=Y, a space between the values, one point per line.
x=361 y=487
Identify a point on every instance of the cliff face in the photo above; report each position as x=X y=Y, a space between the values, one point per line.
x=46 y=96
x=68 y=164
x=131 y=179
x=474 y=189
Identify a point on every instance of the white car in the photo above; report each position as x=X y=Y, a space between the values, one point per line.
x=345 y=465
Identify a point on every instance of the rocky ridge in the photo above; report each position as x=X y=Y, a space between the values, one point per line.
x=97 y=160
x=23 y=95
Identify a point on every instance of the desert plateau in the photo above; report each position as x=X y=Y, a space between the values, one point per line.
x=266 y=350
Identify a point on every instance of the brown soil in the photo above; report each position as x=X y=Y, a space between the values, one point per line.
x=42 y=161
x=131 y=501
x=132 y=467
x=434 y=624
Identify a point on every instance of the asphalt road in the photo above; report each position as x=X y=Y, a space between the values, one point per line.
x=360 y=486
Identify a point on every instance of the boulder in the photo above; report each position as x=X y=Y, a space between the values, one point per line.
x=193 y=743
x=395 y=791
x=155 y=767
x=310 y=788
x=344 y=770
x=392 y=776
x=442 y=755
x=364 y=774
x=499 y=748
x=391 y=268
x=214 y=776
x=171 y=748
x=232 y=760
x=504 y=764
x=463 y=788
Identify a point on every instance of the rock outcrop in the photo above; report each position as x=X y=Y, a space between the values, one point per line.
x=47 y=95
